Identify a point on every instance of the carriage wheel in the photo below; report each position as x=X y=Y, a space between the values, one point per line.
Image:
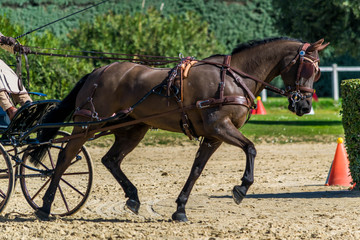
x=75 y=184
x=7 y=178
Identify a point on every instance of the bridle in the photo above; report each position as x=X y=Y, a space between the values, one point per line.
x=307 y=66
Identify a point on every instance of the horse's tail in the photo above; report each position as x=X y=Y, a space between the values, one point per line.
x=59 y=114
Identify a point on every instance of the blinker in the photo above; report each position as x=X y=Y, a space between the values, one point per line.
x=307 y=70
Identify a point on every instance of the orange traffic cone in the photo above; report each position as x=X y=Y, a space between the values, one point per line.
x=339 y=173
x=260 y=110
x=315 y=97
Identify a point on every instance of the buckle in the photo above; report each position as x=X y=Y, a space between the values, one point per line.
x=200 y=104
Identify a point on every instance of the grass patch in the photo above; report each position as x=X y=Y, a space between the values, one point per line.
x=283 y=126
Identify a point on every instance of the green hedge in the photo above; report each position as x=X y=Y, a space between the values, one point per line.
x=231 y=22
x=148 y=33
x=350 y=90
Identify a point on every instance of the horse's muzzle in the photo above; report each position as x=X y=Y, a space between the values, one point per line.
x=300 y=107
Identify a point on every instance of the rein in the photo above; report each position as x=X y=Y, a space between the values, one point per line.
x=162 y=60
x=156 y=60
x=141 y=59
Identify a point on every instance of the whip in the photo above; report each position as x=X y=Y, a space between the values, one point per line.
x=72 y=14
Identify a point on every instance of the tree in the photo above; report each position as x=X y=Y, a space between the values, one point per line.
x=50 y=75
x=148 y=33
x=338 y=21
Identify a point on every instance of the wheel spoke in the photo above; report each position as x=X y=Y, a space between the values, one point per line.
x=76 y=173
x=2 y=194
x=74 y=188
x=63 y=198
x=4 y=176
x=51 y=159
x=41 y=188
x=44 y=166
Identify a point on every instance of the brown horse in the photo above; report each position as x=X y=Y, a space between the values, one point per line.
x=223 y=94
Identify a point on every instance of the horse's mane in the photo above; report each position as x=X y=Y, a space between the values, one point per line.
x=254 y=43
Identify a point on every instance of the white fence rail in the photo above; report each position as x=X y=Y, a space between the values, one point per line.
x=334 y=69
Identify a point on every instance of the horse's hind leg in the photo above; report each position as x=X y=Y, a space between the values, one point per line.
x=63 y=162
x=125 y=141
x=207 y=148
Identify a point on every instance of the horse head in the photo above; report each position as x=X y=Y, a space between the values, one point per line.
x=299 y=74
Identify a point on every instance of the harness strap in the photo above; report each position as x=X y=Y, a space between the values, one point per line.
x=237 y=100
x=228 y=100
x=241 y=73
x=120 y=125
x=89 y=114
x=18 y=71
x=185 y=122
x=224 y=69
x=292 y=63
x=240 y=81
x=306 y=89
x=79 y=111
x=27 y=71
x=188 y=66
x=182 y=84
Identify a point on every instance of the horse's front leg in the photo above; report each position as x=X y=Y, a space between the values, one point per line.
x=239 y=191
x=206 y=149
x=234 y=137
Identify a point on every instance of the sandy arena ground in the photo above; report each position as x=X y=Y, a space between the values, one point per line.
x=287 y=201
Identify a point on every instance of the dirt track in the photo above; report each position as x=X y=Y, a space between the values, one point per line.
x=287 y=201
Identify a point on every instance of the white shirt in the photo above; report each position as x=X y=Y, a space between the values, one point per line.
x=9 y=81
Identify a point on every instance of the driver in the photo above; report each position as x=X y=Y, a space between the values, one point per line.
x=10 y=83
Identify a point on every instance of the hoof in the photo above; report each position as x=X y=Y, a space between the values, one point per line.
x=181 y=217
x=133 y=205
x=41 y=215
x=238 y=195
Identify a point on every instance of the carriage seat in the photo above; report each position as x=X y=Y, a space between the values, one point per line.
x=4 y=118
x=27 y=116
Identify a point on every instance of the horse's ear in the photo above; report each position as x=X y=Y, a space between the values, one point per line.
x=323 y=46
x=317 y=46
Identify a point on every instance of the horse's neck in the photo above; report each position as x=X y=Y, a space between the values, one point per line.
x=262 y=62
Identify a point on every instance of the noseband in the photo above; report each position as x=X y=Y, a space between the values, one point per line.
x=307 y=66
